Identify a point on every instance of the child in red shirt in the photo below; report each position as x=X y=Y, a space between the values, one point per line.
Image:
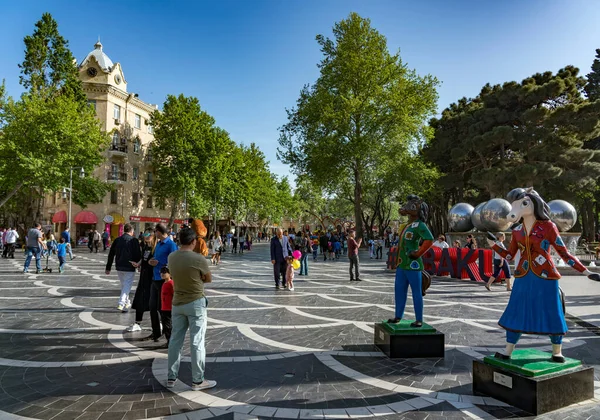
x=166 y=302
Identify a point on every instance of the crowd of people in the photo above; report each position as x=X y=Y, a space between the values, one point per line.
x=170 y=287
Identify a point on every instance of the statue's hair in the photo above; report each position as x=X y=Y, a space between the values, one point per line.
x=541 y=210
x=423 y=213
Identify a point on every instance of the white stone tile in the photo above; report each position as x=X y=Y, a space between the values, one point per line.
x=400 y=407
x=380 y=410
x=311 y=414
x=447 y=396
x=287 y=413
x=263 y=411
x=418 y=403
x=356 y=412
x=335 y=413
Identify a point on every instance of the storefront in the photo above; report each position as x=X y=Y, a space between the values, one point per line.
x=84 y=222
x=141 y=222
x=59 y=220
x=114 y=224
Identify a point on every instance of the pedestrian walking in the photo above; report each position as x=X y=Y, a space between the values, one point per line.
x=216 y=248
x=11 y=242
x=166 y=303
x=500 y=264
x=141 y=300
x=305 y=248
x=353 y=246
x=66 y=234
x=105 y=237
x=61 y=253
x=280 y=251
x=96 y=238
x=35 y=246
x=234 y=242
x=124 y=252
x=190 y=271
x=164 y=247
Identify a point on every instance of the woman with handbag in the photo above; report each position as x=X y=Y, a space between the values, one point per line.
x=141 y=300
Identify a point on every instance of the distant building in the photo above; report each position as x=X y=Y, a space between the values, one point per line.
x=128 y=164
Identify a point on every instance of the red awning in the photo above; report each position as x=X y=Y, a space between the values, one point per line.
x=60 y=217
x=86 y=217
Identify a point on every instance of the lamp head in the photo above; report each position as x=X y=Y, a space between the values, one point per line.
x=81 y=173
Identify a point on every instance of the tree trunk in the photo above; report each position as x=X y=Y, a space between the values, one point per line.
x=173 y=213
x=11 y=193
x=358 y=202
x=588 y=220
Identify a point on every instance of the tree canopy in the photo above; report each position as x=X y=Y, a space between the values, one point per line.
x=365 y=103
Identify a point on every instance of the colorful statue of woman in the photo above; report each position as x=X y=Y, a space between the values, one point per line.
x=535 y=305
x=415 y=239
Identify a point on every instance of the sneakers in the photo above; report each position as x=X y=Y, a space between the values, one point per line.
x=134 y=328
x=171 y=383
x=120 y=307
x=128 y=305
x=277 y=287
x=205 y=384
x=291 y=289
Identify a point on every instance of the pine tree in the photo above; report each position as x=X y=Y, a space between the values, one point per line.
x=592 y=89
x=49 y=67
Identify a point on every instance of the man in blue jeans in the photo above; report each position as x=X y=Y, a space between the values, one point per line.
x=189 y=271
x=35 y=244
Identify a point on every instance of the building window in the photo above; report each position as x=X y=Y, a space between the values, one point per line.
x=149 y=155
x=149 y=203
x=135 y=173
x=138 y=121
x=149 y=179
x=115 y=140
x=135 y=199
x=114 y=197
x=117 y=113
x=92 y=102
x=162 y=203
x=137 y=145
x=150 y=129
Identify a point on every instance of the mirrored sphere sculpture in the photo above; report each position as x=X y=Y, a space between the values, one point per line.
x=563 y=214
x=459 y=218
x=494 y=215
x=476 y=217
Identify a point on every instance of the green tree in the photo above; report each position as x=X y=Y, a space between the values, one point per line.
x=49 y=130
x=182 y=132
x=520 y=134
x=365 y=103
x=49 y=67
x=592 y=88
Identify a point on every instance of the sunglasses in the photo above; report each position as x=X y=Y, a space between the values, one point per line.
x=147 y=235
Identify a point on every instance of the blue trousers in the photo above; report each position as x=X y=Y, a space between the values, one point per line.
x=304 y=264
x=513 y=337
x=33 y=251
x=414 y=279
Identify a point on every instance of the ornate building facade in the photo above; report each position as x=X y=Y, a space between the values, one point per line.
x=128 y=164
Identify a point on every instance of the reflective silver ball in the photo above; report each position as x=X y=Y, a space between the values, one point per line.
x=459 y=218
x=494 y=215
x=476 y=217
x=563 y=214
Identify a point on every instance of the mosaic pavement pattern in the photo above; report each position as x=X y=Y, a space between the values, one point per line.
x=64 y=352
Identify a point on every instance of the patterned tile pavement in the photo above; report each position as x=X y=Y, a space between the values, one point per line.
x=64 y=352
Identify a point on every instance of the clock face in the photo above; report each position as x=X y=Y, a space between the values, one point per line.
x=117 y=79
x=92 y=72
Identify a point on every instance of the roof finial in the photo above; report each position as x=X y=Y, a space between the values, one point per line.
x=98 y=45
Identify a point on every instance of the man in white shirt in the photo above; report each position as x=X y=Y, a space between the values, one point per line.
x=441 y=242
x=11 y=241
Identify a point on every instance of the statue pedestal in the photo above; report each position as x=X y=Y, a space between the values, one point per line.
x=531 y=381
x=401 y=341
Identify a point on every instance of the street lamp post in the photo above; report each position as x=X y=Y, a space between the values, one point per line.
x=70 y=189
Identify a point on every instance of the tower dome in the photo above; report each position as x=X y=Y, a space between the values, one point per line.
x=101 y=58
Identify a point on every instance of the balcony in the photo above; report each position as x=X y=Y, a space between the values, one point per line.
x=117 y=150
x=149 y=183
x=116 y=177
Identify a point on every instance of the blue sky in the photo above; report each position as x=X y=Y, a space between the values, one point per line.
x=247 y=60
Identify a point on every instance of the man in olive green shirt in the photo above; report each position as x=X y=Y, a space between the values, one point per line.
x=189 y=271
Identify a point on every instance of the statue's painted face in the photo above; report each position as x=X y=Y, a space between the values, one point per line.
x=411 y=207
x=521 y=208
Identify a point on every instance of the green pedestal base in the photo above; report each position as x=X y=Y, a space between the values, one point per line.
x=400 y=341
x=403 y=327
x=532 y=363
x=532 y=382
